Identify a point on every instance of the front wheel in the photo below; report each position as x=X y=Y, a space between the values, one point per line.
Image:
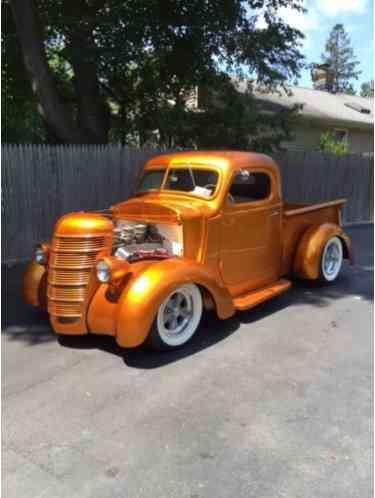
x=331 y=260
x=177 y=318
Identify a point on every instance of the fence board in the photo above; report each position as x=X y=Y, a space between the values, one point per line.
x=41 y=183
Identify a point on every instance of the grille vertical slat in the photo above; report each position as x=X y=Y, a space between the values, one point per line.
x=71 y=262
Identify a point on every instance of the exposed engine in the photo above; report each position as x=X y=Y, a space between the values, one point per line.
x=137 y=240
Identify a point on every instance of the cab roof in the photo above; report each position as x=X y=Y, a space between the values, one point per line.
x=226 y=160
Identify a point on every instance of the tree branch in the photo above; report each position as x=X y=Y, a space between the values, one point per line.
x=53 y=109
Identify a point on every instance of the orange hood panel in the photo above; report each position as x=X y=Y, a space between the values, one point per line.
x=156 y=209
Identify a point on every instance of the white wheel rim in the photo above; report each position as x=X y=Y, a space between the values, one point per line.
x=332 y=259
x=179 y=315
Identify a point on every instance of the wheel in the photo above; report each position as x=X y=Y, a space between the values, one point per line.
x=177 y=319
x=331 y=260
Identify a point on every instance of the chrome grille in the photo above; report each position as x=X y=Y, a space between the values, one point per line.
x=67 y=293
x=71 y=261
x=65 y=309
x=68 y=277
x=69 y=268
x=78 y=244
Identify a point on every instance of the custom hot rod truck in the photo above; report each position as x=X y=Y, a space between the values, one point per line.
x=204 y=230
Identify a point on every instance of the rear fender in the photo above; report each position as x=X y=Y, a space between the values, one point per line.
x=140 y=301
x=307 y=259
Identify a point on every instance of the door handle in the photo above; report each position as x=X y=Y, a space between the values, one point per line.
x=274 y=213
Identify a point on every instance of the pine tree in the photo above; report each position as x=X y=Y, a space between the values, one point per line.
x=340 y=56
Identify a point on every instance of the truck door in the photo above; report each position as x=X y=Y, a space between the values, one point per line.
x=251 y=231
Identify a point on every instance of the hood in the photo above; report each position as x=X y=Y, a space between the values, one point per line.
x=83 y=224
x=151 y=208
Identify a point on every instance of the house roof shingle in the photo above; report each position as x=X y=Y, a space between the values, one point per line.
x=336 y=109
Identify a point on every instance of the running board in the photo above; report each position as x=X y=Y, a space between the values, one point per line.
x=247 y=301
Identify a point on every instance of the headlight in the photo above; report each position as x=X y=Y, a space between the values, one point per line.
x=40 y=255
x=103 y=271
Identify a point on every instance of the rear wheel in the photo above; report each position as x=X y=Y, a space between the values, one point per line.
x=177 y=319
x=331 y=260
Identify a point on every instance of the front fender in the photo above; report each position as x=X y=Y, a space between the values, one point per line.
x=140 y=301
x=35 y=285
x=307 y=259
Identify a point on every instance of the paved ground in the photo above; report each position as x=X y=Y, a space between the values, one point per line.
x=275 y=402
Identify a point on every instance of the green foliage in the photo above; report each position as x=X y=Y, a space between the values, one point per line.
x=148 y=55
x=350 y=90
x=340 y=56
x=330 y=145
x=367 y=89
x=231 y=119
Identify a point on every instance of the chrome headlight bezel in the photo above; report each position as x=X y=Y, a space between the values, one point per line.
x=103 y=271
x=40 y=255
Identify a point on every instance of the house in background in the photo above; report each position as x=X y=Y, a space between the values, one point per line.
x=348 y=118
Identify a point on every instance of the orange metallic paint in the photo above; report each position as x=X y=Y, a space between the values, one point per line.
x=83 y=224
x=307 y=260
x=76 y=326
x=296 y=220
x=34 y=285
x=139 y=303
x=251 y=239
x=251 y=300
x=118 y=267
x=79 y=226
x=236 y=253
x=103 y=308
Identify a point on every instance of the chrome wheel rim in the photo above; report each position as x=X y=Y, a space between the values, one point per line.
x=179 y=315
x=332 y=259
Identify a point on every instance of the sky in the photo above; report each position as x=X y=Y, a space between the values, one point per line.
x=357 y=17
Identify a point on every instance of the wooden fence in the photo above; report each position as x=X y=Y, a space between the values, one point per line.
x=40 y=183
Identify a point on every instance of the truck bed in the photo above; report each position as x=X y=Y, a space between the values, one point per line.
x=297 y=218
x=292 y=209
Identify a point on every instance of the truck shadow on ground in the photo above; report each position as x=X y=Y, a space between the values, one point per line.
x=32 y=327
x=212 y=330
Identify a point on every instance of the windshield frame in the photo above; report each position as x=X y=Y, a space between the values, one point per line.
x=158 y=168
x=167 y=169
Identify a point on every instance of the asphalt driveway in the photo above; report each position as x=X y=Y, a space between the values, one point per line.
x=274 y=402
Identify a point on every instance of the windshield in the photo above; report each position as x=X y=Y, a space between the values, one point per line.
x=200 y=182
x=151 y=180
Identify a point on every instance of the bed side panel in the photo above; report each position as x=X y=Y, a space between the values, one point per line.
x=295 y=226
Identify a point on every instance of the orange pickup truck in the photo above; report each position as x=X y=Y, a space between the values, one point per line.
x=204 y=230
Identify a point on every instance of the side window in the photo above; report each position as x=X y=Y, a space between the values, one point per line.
x=249 y=187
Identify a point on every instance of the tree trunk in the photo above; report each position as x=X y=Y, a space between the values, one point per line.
x=92 y=123
x=52 y=108
x=93 y=115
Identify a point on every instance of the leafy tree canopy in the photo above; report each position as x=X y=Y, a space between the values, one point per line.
x=367 y=89
x=339 y=55
x=330 y=145
x=111 y=70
